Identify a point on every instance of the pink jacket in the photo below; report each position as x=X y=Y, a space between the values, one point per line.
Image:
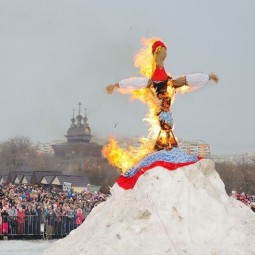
x=79 y=218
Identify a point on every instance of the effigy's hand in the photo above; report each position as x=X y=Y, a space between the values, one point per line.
x=110 y=89
x=214 y=77
x=179 y=82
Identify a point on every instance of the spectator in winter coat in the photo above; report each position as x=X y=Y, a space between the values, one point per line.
x=5 y=224
x=13 y=213
x=70 y=219
x=1 y=194
x=87 y=207
x=58 y=222
x=38 y=220
x=50 y=220
x=29 y=220
x=79 y=217
x=1 y=222
x=20 y=221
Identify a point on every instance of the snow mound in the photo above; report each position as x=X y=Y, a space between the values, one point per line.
x=186 y=211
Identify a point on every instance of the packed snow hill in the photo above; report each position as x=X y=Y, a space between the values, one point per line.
x=185 y=211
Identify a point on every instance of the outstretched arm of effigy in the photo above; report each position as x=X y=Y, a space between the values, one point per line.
x=195 y=80
x=112 y=87
x=129 y=85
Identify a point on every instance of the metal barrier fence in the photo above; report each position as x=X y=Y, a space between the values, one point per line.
x=37 y=226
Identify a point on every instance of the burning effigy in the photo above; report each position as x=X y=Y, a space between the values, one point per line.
x=185 y=208
x=157 y=88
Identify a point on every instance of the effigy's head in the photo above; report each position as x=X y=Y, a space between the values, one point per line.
x=157 y=46
x=159 y=51
x=153 y=49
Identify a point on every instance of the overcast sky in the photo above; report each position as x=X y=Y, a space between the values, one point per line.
x=56 y=53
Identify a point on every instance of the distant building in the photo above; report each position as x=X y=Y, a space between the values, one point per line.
x=77 y=183
x=80 y=156
x=26 y=179
x=198 y=148
x=78 y=142
x=15 y=177
x=45 y=178
x=79 y=130
x=3 y=179
x=38 y=175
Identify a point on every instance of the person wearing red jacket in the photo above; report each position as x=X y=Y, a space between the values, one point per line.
x=5 y=222
x=20 y=221
x=79 y=217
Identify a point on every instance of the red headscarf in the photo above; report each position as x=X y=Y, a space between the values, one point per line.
x=159 y=74
x=156 y=45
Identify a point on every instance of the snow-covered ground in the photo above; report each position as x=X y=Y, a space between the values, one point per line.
x=22 y=247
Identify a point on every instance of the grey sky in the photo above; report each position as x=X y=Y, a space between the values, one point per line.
x=55 y=53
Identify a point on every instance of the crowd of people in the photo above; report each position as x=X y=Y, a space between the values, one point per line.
x=37 y=211
x=247 y=199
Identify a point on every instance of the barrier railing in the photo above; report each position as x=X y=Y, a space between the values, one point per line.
x=37 y=226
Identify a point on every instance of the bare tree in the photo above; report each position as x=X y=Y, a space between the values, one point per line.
x=18 y=152
x=239 y=177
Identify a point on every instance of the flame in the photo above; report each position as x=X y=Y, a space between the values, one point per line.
x=143 y=59
x=124 y=159
x=184 y=89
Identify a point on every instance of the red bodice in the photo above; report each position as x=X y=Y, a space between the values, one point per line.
x=159 y=74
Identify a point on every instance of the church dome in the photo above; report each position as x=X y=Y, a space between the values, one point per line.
x=80 y=131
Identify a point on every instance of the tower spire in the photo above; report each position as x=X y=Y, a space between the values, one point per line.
x=73 y=119
x=73 y=112
x=79 y=108
x=79 y=117
x=85 y=119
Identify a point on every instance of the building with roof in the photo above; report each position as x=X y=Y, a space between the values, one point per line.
x=79 y=155
x=78 y=139
x=38 y=175
x=26 y=179
x=3 y=179
x=18 y=179
x=78 y=183
x=16 y=176
x=79 y=131
x=47 y=179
